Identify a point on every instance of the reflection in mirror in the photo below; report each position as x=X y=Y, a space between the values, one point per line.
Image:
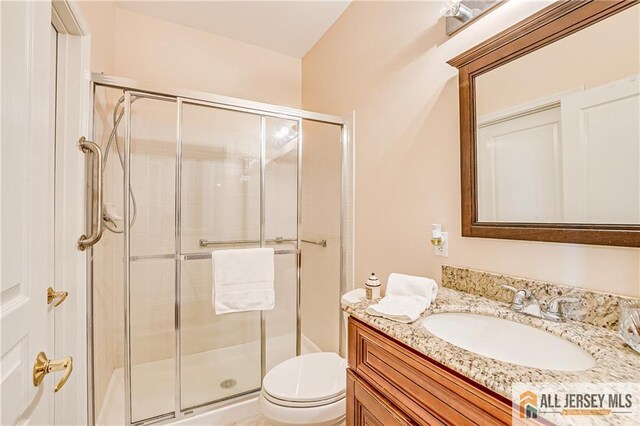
x=558 y=133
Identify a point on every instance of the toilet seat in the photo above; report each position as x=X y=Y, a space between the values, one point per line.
x=307 y=380
x=295 y=404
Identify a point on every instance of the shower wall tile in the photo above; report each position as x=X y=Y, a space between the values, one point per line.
x=105 y=275
x=104 y=348
x=223 y=205
x=152 y=300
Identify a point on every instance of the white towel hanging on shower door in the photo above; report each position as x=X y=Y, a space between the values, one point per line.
x=243 y=280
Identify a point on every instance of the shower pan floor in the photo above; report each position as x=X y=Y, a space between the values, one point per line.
x=206 y=377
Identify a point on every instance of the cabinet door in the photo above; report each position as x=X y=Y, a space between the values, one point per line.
x=422 y=389
x=365 y=406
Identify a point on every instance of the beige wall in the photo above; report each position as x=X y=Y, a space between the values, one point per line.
x=101 y=18
x=387 y=61
x=128 y=44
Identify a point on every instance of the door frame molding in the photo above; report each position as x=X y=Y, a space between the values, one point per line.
x=72 y=121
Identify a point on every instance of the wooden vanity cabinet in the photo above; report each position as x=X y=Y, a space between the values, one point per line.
x=366 y=406
x=390 y=384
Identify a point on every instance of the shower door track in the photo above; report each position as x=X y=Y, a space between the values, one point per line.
x=179 y=96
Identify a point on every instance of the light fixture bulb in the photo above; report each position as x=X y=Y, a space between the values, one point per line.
x=436 y=230
x=455 y=9
x=284 y=132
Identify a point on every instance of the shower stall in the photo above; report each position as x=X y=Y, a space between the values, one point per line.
x=176 y=175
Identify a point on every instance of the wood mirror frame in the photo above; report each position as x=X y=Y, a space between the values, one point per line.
x=550 y=24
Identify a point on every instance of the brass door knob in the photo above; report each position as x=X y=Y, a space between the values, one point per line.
x=53 y=295
x=44 y=366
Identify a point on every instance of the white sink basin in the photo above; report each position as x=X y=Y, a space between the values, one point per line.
x=508 y=341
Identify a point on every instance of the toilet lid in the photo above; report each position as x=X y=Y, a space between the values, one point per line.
x=307 y=378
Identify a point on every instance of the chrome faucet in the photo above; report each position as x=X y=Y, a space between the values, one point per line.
x=554 y=308
x=526 y=303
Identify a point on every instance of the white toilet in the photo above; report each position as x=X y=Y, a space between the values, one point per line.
x=309 y=389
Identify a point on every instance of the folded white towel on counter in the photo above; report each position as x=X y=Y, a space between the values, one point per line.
x=354 y=296
x=406 y=298
x=243 y=280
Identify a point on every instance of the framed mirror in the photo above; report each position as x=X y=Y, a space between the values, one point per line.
x=550 y=127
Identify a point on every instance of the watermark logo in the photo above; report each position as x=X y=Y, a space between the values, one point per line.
x=528 y=405
x=577 y=403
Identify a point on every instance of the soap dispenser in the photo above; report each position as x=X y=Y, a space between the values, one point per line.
x=373 y=287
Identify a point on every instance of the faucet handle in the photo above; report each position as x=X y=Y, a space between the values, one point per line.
x=509 y=287
x=554 y=304
x=522 y=293
x=519 y=296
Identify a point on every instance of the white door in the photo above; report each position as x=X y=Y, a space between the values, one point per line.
x=601 y=153
x=519 y=167
x=26 y=210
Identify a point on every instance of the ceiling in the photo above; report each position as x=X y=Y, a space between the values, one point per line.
x=289 y=27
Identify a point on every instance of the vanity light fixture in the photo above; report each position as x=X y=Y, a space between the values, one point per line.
x=459 y=14
x=455 y=9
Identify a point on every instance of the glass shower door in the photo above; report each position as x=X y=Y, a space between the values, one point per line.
x=183 y=178
x=152 y=265
x=220 y=209
x=281 y=232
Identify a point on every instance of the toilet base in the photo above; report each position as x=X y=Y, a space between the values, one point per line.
x=325 y=415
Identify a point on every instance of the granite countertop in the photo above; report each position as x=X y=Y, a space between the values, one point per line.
x=615 y=361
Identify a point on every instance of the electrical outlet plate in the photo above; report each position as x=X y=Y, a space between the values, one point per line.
x=443 y=250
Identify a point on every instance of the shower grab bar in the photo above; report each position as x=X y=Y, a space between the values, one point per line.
x=277 y=240
x=322 y=243
x=86 y=146
x=199 y=256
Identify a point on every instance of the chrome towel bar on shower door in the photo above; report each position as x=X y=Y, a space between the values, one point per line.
x=322 y=243
x=199 y=256
x=95 y=220
x=277 y=240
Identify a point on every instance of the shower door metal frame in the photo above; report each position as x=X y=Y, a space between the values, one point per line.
x=262 y=110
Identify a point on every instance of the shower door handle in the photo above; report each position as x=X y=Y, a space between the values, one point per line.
x=92 y=148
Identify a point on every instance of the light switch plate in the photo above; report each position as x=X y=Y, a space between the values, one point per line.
x=443 y=250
